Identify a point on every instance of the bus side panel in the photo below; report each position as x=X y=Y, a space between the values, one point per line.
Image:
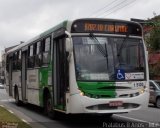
x=45 y=79
x=33 y=86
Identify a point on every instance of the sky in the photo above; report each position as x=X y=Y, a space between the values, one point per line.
x=21 y=20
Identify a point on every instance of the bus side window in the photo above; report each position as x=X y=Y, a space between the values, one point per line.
x=38 y=56
x=30 y=57
x=7 y=63
x=46 y=51
x=15 y=61
x=19 y=60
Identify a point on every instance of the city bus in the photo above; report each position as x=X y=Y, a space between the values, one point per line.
x=85 y=66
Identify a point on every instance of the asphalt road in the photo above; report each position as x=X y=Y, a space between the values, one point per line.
x=35 y=117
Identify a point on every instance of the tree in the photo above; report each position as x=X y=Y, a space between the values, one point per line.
x=153 y=41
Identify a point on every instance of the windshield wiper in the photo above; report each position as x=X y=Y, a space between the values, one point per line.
x=121 y=47
x=99 y=46
x=103 y=51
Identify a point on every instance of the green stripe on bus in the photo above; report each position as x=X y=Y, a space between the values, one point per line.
x=43 y=81
x=98 y=89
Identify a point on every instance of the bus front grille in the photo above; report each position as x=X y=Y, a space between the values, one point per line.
x=107 y=107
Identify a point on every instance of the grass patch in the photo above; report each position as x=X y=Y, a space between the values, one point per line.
x=10 y=120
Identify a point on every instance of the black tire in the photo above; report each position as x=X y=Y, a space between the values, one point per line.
x=48 y=108
x=109 y=115
x=105 y=116
x=158 y=102
x=16 y=96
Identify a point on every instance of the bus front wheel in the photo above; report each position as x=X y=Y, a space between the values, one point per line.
x=158 y=102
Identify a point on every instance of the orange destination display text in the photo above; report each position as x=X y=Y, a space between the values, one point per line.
x=106 y=27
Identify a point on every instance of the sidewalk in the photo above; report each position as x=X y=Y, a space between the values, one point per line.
x=4 y=96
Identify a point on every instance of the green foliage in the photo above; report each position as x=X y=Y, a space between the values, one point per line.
x=8 y=120
x=154 y=40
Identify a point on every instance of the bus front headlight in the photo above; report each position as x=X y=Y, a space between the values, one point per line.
x=81 y=93
x=141 y=91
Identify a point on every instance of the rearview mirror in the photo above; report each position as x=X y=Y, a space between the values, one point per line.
x=69 y=45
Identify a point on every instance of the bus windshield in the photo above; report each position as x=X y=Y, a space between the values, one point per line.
x=99 y=58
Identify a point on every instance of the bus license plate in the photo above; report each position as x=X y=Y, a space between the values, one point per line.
x=115 y=103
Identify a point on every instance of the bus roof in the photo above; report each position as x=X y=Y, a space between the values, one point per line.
x=64 y=24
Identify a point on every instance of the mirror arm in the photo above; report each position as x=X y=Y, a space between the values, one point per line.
x=68 y=34
x=70 y=48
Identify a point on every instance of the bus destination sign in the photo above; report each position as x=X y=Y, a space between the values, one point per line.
x=107 y=27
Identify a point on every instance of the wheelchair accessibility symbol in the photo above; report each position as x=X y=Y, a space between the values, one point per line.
x=120 y=74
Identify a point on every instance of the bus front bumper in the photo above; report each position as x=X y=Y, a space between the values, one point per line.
x=83 y=104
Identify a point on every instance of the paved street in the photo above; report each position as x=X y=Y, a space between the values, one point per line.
x=35 y=118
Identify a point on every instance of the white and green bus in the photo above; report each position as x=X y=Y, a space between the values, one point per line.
x=96 y=66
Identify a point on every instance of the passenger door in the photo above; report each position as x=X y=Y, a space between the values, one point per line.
x=60 y=72
x=24 y=75
x=10 y=76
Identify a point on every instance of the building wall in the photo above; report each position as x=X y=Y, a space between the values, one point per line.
x=2 y=69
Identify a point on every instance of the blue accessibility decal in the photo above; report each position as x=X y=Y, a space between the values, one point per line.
x=120 y=74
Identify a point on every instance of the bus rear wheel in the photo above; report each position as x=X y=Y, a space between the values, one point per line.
x=16 y=94
x=48 y=108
